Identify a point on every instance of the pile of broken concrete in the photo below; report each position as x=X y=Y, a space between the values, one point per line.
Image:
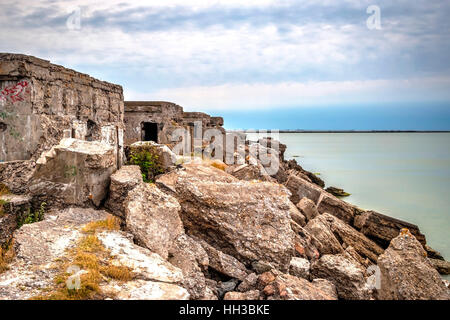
x=200 y=232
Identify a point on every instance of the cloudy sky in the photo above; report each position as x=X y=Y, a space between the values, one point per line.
x=311 y=64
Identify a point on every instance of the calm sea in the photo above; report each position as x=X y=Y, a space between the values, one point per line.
x=403 y=175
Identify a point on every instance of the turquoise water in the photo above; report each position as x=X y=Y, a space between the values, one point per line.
x=403 y=175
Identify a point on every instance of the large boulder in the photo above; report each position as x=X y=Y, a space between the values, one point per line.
x=188 y=255
x=198 y=169
x=16 y=175
x=308 y=208
x=153 y=217
x=326 y=242
x=250 y=172
x=324 y=201
x=122 y=182
x=75 y=172
x=301 y=188
x=406 y=273
x=299 y=267
x=247 y=220
x=383 y=229
x=13 y=208
x=348 y=236
x=344 y=273
x=42 y=247
x=224 y=263
x=155 y=278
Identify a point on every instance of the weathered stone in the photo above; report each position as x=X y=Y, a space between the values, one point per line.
x=209 y=295
x=296 y=215
x=433 y=254
x=250 y=172
x=327 y=287
x=192 y=259
x=336 y=207
x=308 y=208
x=299 y=267
x=406 y=273
x=287 y=287
x=197 y=169
x=442 y=266
x=301 y=188
x=12 y=209
x=249 y=221
x=224 y=263
x=350 y=237
x=145 y=264
x=296 y=169
x=15 y=204
x=305 y=244
x=147 y=290
x=344 y=273
x=122 y=182
x=324 y=201
x=261 y=266
x=383 y=229
x=351 y=254
x=153 y=218
x=75 y=172
x=326 y=241
x=249 y=295
x=224 y=287
x=248 y=283
x=8 y=223
x=39 y=247
x=15 y=175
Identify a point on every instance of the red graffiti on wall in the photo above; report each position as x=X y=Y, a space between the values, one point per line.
x=15 y=93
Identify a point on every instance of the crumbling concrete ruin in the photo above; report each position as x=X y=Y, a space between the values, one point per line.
x=42 y=103
x=157 y=120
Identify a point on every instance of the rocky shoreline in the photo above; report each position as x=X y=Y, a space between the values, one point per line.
x=92 y=208
x=206 y=231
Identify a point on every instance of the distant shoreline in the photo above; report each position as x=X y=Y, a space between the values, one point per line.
x=346 y=131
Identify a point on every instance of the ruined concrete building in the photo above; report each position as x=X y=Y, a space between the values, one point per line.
x=156 y=121
x=42 y=103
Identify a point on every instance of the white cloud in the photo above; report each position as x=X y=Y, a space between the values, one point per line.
x=261 y=61
x=296 y=94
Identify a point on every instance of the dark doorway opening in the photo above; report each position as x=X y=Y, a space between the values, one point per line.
x=150 y=131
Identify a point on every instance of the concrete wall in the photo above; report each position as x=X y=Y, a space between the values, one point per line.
x=167 y=115
x=40 y=103
x=160 y=112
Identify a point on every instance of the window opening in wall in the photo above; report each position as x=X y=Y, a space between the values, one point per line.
x=150 y=131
